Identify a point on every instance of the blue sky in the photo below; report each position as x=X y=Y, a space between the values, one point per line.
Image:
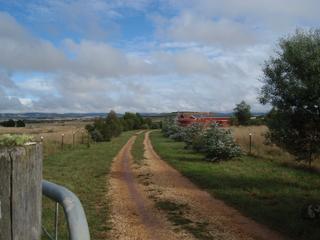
x=140 y=55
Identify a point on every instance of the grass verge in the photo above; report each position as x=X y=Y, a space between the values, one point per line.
x=176 y=214
x=264 y=190
x=137 y=150
x=83 y=171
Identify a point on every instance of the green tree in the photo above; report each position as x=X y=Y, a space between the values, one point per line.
x=113 y=124
x=139 y=121
x=20 y=123
x=9 y=123
x=292 y=86
x=242 y=113
x=100 y=126
x=148 y=121
x=132 y=121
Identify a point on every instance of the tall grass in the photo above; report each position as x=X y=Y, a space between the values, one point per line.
x=259 y=146
x=261 y=149
x=52 y=134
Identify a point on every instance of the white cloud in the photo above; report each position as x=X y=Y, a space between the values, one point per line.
x=36 y=84
x=206 y=55
x=189 y=27
x=99 y=77
x=9 y=104
x=21 y=51
x=271 y=12
x=26 y=101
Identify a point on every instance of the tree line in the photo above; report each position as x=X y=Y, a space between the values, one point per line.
x=103 y=129
x=12 y=123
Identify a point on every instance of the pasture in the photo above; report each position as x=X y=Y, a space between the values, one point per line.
x=83 y=171
x=52 y=134
x=266 y=151
x=265 y=186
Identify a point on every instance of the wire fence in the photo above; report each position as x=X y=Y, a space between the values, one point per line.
x=64 y=141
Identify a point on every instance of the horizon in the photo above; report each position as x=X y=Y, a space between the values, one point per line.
x=61 y=113
x=140 y=56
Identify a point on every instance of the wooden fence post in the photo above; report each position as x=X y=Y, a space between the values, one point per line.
x=20 y=192
x=250 y=143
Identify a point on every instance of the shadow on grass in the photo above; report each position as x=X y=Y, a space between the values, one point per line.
x=265 y=190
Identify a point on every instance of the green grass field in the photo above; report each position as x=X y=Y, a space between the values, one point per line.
x=84 y=171
x=138 y=149
x=264 y=190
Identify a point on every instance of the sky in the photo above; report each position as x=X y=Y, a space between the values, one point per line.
x=141 y=55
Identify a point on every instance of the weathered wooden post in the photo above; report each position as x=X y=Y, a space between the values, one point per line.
x=250 y=143
x=20 y=192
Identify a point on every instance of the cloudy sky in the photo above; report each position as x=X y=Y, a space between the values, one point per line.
x=140 y=55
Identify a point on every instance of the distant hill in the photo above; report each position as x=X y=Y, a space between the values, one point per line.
x=38 y=116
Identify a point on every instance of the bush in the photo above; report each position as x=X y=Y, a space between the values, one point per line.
x=177 y=133
x=167 y=122
x=96 y=136
x=156 y=125
x=192 y=135
x=9 y=123
x=219 y=144
x=171 y=130
x=169 y=127
x=216 y=143
x=20 y=123
x=144 y=126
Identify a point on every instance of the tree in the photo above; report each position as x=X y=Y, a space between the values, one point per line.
x=242 y=113
x=139 y=121
x=20 y=123
x=9 y=123
x=100 y=126
x=113 y=124
x=148 y=121
x=105 y=129
x=292 y=86
x=132 y=121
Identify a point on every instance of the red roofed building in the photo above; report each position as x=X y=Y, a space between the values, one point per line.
x=187 y=118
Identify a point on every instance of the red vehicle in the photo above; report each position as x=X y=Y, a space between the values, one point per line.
x=187 y=118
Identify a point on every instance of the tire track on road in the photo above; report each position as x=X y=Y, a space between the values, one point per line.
x=223 y=221
x=133 y=215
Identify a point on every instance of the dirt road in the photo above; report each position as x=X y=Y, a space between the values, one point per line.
x=154 y=201
x=133 y=215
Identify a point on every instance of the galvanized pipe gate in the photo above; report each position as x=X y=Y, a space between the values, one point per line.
x=76 y=218
x=21 y=188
